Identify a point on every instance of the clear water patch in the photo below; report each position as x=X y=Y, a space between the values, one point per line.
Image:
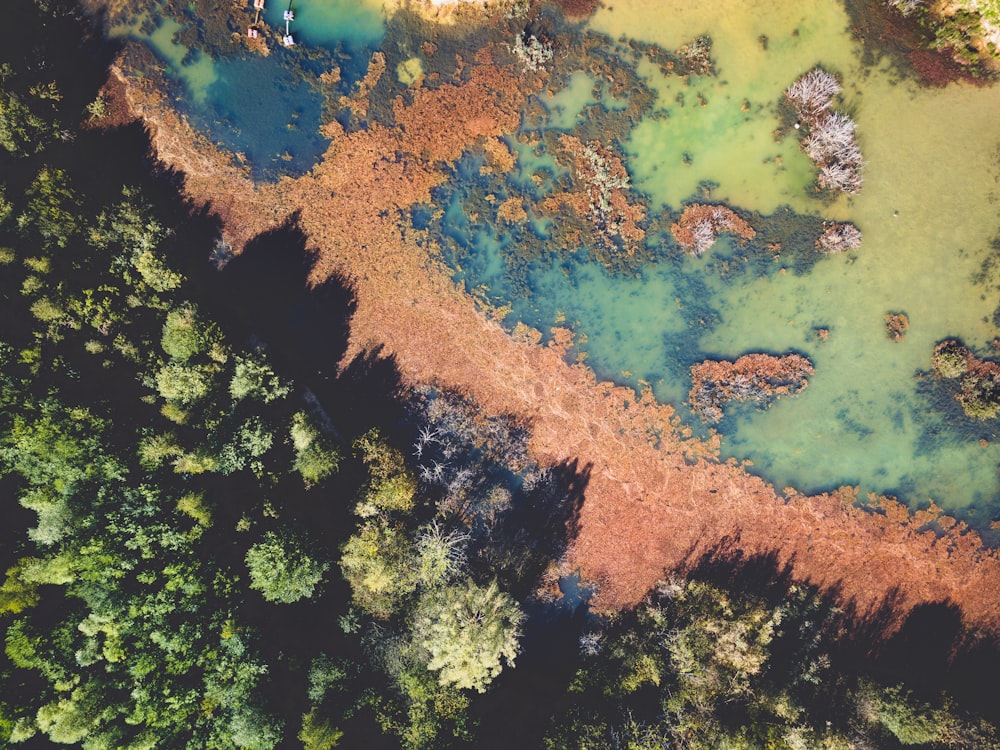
x=354 y=25
x=259 y=108
x=265 y=109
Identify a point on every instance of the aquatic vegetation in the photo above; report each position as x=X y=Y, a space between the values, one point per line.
x=951 y=359
x=830 y=139
x=939 y=42
x=606 y=181
x=907 y=7
x=700 y=224
x=578 y=9
x=896 y=325
x=350 y=207
x=760 y=378
x=978 y=379
x=838 y=238
x=697 y=56
x=531 y=52
x=424 y=575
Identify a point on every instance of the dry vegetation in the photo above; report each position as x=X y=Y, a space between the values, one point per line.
x=700 y=224
x=656 y=499
x=896 y=326
x=760 y=378
x=605 y=182
x=839 y=238
x=831 y=136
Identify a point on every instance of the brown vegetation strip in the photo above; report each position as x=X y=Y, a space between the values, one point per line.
x=753 y=377
x=656 y=499
x=699 y=225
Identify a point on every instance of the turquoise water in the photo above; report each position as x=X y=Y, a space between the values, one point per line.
x=565 y=107
x=928 y=213
x=258 y=108
x=266 y=109
x=357 y=25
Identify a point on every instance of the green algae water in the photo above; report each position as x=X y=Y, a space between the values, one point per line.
x=195 y=72
x=928 y=213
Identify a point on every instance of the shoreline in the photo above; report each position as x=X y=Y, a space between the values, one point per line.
x=656 y=500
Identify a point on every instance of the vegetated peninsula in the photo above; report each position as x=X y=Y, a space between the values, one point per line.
x=277 y=481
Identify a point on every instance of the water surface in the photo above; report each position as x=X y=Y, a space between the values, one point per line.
x=928 y=213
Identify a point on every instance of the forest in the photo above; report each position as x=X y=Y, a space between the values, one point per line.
x=218 y=534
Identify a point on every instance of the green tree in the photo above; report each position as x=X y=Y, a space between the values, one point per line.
x=392 y=487
x=440 y=554
x=282 y=570
x=432 y=710
x=67 y=721
x=318 y=732
x=377 y=562
x=6 y=207
x=16 y=594
x=183 y=334
x=251 y=440
x=53 y=209
x=254 y=377
x=22 y=132
x=910 y=721
x=315 y=457
x=468 y=632
x=130 y=233
x=183 y=384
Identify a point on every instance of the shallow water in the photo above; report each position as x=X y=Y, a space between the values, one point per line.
x=195 y=71
x=264 y=108
x=356 y=24
x=928 y=213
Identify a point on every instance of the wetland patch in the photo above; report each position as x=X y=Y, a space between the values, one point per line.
x=567 y=221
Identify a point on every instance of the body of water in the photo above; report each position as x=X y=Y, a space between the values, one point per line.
x=265 y=108
x=928 y=212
